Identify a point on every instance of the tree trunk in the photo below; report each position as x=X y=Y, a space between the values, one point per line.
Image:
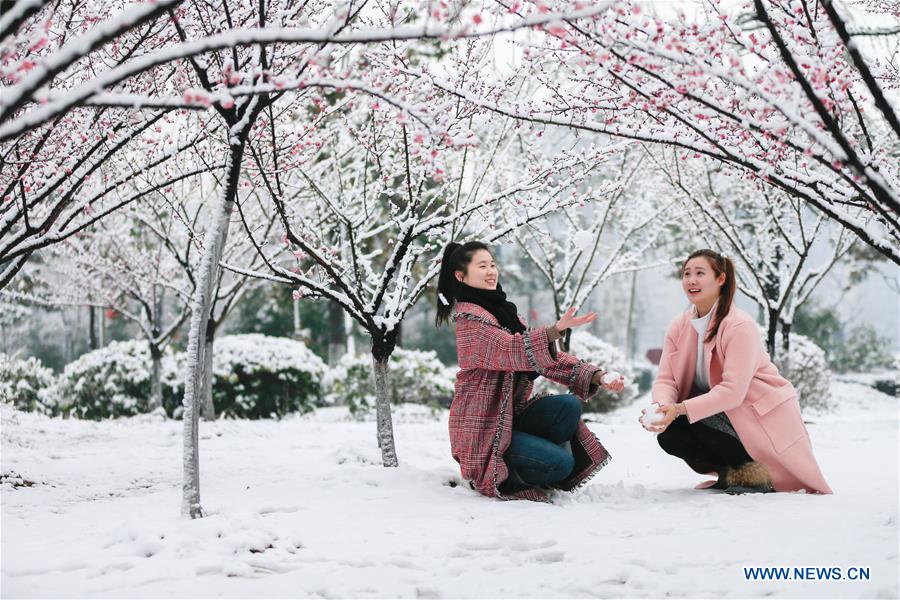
x=770 y=334
x=212 y=253
x=92 y=328
x=785 y=348
x=381 y=352
x=337 y=333
x=630 y=342
x=155 y=377
x=207 y=408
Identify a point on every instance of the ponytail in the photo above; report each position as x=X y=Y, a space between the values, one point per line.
x=720 y=264
x=456 y=258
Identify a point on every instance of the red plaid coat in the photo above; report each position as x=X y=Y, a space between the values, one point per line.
x=491 y=387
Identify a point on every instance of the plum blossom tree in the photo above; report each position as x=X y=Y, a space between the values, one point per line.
x=782 y=90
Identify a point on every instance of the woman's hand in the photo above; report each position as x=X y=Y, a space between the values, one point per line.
x=669 y=414
x=616 y=383
x=569 y=320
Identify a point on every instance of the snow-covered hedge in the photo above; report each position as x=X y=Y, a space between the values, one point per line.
x=113 y=381
x=416 y=376
x=254 y=376
x=807 y=369
x=594 y=350
x=25 y=383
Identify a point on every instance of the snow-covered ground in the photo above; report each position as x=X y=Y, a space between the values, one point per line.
x=301 y=508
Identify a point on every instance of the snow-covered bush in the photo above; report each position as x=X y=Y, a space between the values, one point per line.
x=595 y=351
x=25 y=383
x=807 y=369
x=254 y=376
x=416 y=376
x=113 y=381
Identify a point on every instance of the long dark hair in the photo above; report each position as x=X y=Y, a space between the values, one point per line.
x=456 y=258
x=720 y=264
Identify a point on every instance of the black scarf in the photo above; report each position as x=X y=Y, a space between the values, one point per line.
x=495 y=302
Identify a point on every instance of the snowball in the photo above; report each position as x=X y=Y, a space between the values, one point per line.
x=610 y=377
x=649 y=416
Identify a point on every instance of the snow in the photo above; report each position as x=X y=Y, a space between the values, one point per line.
x=301 y=507
x=610 y=377
x=650 y=415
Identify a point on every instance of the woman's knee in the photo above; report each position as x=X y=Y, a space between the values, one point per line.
x=537 y=460
x=569 y=408
x=558 y=467
x=664 y=439
x=563 y=465
x=672 y=439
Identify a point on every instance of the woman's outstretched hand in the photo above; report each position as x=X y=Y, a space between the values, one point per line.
x=569 y=320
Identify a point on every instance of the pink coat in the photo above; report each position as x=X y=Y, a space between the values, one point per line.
x=761 y=404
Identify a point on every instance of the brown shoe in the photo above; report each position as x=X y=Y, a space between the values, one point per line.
x=749 y=478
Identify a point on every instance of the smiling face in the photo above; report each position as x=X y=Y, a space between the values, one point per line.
x=700 y=283
x=481 y=273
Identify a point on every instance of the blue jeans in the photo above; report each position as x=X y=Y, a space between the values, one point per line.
x=535 y=452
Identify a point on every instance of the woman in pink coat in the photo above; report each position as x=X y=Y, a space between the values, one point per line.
x=507 y=443
x=723 y=407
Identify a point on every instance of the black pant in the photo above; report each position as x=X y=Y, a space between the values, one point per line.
x=703 y=448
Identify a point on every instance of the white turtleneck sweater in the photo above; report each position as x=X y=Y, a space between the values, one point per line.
x=701 y=377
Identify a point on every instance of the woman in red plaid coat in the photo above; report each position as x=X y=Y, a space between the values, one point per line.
x=508 y=444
